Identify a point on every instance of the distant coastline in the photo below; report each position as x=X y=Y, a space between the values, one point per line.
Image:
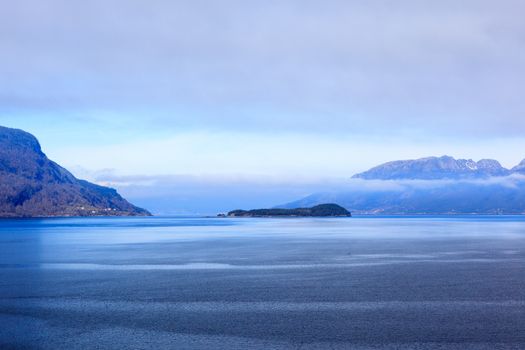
x=321 y=210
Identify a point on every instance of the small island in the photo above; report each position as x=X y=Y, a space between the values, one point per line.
x=322 y=210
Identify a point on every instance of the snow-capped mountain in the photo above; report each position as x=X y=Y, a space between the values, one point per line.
x=431 y=168
x=520 y=168
x=433 y=185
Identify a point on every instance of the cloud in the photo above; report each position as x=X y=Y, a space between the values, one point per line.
x=210 y=194
x=322 y=66
x=298 y=90
x=207 y=194
x=362 y=185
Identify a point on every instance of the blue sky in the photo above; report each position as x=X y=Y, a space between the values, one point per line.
x=283 y=96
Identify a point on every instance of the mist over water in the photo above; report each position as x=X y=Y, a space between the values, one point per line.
x=207 y=283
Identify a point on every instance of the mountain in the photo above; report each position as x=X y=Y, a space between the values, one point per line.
x=432 y=168
x=445 y=198
x=321 y=210
x=520 y=168
x=31 y=185
x=431 y=185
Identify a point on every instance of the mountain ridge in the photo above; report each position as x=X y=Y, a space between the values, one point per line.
x=520 y=168
x=431 y=186
x=433 y=168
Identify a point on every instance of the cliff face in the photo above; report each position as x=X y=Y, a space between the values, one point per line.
x=31 y=185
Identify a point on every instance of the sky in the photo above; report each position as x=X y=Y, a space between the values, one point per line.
x=196 y=106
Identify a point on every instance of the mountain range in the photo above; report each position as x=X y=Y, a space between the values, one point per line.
x=31 y=185
x=433 y=168
x=433 y=185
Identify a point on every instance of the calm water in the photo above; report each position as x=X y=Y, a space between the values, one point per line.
x=183 y=283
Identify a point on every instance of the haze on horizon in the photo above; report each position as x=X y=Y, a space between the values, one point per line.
x=264 y=101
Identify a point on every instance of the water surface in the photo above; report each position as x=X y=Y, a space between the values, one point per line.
x=301 y=283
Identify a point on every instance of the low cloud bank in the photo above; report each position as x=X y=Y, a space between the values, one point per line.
x=511 y=181
x=210 y=194
x=494 y=195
